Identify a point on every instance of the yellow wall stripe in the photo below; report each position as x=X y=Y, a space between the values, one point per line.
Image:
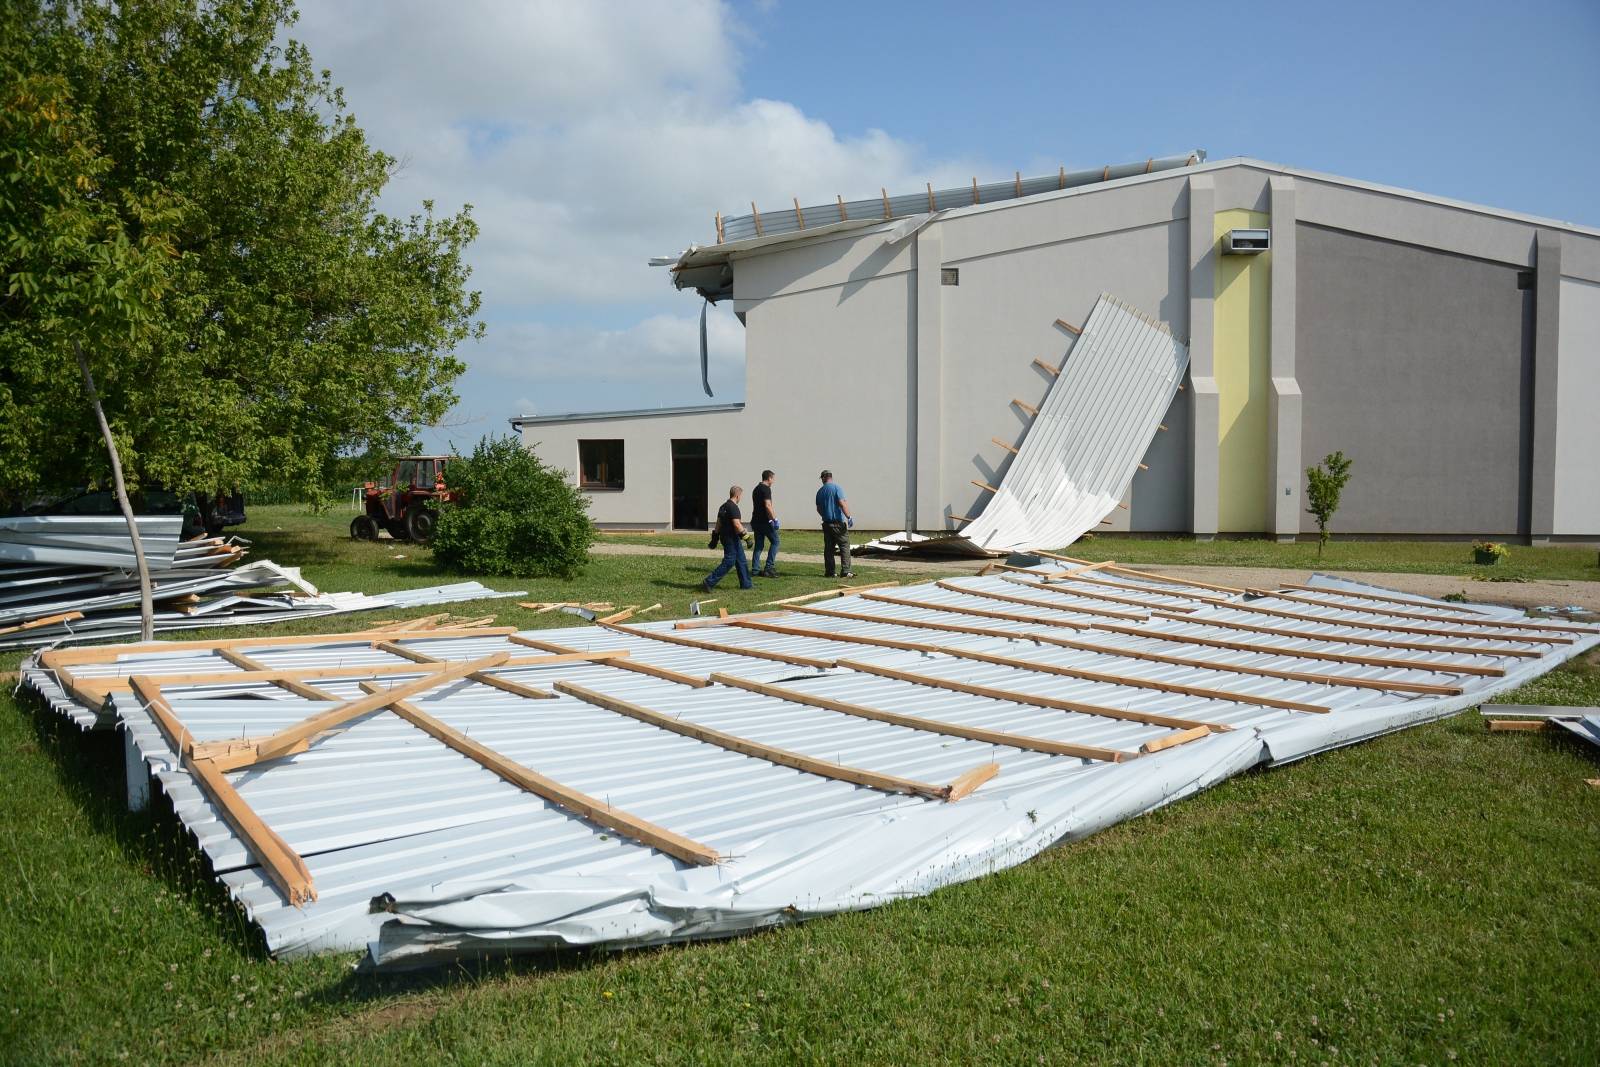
x=1241 y=345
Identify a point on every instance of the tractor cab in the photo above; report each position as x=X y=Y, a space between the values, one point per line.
x=403 y=501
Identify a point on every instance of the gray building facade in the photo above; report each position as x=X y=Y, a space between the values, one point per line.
x=1452 y=350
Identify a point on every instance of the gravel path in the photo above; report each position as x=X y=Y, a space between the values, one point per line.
x=1530 y=594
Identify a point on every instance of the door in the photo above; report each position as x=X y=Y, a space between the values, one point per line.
x=689 y=484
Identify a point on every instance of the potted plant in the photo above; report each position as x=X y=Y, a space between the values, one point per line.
x=1488 y=553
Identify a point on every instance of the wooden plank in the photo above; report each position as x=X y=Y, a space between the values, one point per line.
x=1149 y=718
x=620 y=664
x=968 y=783
x=1123 y=651
x=1518 y=725
x=1009 y=448
x=888 y=783
x=982 y=613
x=1280 y=631
x=1234 y=605
x=273 y=676
x=426 y=622
x=851 y=639
x=293 y=685
x=286 y=740
x=985 y=486
x=1077 y=575
x=67 y=657
x=1485 y=632
x=48 y=620
x=1105 y=613
x=1055 y=372
x=1073 y=330
x=1108 y=598
x=1472 y=620
x=1299 y=653
x=848 y=590
x=1578 y=628
x=504 y=684
x=1203 y=692
x=563 y=796
x=282 y=865
x=710 y=646
x=933 y=726
x=1147 y=575
x=1025 y=406
x=1173 y=740
x=720 y=620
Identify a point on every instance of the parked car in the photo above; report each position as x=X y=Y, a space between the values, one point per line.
x=203 y=513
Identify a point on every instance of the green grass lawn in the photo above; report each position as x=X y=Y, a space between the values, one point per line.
x=1426 y=897
x=1564 y=562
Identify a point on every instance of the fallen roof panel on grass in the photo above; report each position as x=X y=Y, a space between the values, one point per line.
x=745 y=777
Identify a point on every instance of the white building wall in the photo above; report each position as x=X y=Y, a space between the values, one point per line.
x=646 y=496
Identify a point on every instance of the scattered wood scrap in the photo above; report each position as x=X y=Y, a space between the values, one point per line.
x=844 y=590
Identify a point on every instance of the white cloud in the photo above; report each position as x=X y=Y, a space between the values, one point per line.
x=588 y=137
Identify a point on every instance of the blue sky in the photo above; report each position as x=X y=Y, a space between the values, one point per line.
x=592 y=136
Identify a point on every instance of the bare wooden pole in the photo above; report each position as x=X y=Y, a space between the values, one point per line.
x=147 y=624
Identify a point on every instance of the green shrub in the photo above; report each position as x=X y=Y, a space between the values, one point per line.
x=1488 y=553
x=512 y=515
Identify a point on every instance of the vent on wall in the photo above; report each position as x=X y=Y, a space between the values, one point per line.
x=1246 y=242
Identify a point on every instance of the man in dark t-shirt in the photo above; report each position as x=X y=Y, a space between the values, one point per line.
x=730 y=531
x=764 y=521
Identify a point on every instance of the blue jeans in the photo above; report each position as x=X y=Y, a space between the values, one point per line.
x=732 y=556
x=765 y=533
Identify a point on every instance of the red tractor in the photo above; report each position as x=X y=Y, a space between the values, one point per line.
x=403 y=502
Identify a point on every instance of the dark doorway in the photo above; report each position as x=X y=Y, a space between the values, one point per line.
x=689 y=483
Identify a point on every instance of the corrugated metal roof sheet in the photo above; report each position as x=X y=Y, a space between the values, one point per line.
x=460 y=859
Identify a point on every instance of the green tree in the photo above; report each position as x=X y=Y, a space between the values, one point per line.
x=185 y=197
x=1324 y=483
x=512 y=515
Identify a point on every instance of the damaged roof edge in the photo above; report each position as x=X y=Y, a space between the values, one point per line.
x=694 y=267
x=635 y=413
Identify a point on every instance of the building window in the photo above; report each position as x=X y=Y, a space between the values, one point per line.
x=600 y=464
x=950 y=276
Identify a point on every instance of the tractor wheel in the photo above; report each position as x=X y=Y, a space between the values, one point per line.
x=362 y=528
x=420 y=522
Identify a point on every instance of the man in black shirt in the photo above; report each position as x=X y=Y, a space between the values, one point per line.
x=764 y=520
x=730 y=531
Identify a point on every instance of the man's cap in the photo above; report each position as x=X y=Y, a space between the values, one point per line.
x=825 y=474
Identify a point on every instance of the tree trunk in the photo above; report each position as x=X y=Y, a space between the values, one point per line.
x=147 y=626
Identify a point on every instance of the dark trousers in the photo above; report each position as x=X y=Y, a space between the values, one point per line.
x=835 y=539
x=769 y=534
x=732 y=557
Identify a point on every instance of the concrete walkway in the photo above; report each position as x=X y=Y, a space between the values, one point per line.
x=1531 y=594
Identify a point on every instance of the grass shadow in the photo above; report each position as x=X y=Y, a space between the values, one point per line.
x=88 y=766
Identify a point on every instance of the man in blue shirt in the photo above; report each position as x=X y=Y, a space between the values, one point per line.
x=836 y=522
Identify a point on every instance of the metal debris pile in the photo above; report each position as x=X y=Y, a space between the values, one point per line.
x=70 y=578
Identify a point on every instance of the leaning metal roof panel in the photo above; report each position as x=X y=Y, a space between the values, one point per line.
x=813 y=754
x=1083 y=447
